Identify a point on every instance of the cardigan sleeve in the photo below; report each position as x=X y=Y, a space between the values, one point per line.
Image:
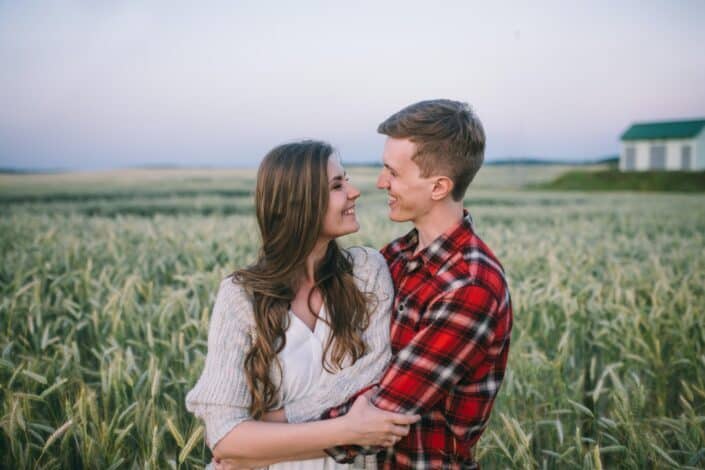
x=221 y=397
x=372 y=276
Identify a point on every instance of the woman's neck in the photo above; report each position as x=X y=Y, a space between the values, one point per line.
x=313 y=260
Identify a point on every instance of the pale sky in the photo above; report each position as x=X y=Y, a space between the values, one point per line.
x=98 y=84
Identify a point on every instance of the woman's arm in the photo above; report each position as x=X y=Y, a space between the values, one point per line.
x=372 y=273
x=247 y=464
x=221 y=397
x=264 y=443
x=254 y=443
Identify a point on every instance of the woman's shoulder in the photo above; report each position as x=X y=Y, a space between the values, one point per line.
x=366 y=259
x=230 y=287
x=233 y=299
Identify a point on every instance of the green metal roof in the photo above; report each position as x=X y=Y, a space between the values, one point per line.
x=664 y=130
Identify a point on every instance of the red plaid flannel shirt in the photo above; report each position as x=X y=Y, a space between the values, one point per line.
x=450 y=333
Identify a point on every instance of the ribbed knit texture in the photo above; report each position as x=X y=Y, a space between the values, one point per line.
x=221 y=397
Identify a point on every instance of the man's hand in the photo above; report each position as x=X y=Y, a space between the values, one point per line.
x=371 y=426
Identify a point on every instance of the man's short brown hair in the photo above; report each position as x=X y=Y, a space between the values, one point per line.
x=449 y=139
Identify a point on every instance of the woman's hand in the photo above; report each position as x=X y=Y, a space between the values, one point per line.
x=371 y=426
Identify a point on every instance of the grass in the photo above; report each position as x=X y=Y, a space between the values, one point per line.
x=615 y=180
x=104 y=315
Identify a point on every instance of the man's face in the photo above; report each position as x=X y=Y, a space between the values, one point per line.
x=409 y=193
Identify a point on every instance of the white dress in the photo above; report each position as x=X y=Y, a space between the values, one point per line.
x=302 y=374
x=221 y=397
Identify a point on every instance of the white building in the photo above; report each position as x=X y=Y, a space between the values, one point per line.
x=673 y=145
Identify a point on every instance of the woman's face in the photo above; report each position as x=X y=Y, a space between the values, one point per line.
x=340 y=218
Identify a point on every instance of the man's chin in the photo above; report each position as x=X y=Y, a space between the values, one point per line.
x=395 y=217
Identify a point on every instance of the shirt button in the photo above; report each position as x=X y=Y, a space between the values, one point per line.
x=401 y=307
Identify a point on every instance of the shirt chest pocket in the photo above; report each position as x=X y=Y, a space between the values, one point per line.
x=406 y=312
x=411 y=310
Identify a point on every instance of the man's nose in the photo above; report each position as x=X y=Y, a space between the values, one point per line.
x=382 y=181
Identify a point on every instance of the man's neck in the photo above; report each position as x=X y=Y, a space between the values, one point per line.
x=436 y=222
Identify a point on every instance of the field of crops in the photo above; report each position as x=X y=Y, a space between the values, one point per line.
x=107 y=281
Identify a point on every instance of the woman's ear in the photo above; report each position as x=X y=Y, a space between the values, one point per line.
x=442 y=187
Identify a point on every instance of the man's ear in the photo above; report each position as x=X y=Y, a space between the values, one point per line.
x=442 y=187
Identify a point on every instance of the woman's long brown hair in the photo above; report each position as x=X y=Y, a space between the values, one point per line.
x=291 y=199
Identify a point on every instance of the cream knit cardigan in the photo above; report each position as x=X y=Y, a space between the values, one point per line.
x=221 y=396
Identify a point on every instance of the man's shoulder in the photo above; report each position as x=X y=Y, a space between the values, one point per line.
x=472 y=278
x=480 y=266
x=392 y=249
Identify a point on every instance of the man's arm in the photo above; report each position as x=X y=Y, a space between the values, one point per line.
x=453 y=342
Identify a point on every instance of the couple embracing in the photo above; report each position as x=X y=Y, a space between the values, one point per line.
x=324 y=358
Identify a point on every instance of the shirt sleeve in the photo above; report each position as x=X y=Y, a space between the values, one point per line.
x=221 y=397
x=339 y=387
x=453 y=342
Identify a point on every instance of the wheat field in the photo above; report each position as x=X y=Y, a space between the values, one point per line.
x=107 y=280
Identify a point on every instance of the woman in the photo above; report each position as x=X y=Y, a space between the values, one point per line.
x=303 y=328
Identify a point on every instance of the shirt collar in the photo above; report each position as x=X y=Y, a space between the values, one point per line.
x=439 y=250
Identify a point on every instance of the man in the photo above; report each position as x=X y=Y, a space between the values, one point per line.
x=452 y=315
